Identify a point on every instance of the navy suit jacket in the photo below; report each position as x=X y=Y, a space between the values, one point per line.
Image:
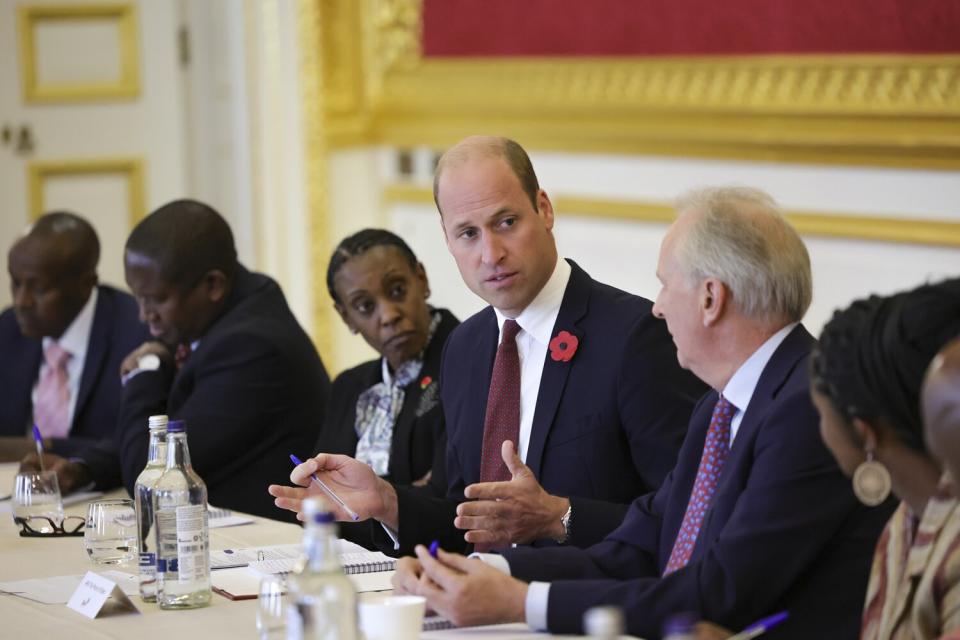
x=607 y=426
x=784 y=531
x=252 y=393
x=116 y=331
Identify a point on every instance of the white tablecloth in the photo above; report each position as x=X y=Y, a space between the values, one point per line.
x=22 y=558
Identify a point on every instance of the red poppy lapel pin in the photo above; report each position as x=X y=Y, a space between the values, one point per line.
x=563 y=346
x=425 y=382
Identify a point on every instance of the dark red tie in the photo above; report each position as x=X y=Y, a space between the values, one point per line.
x=502 y=421
x=182 y=354
x=714 y=455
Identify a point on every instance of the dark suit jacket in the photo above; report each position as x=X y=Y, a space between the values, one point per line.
x=607 y=426
x=784 y=531
x=252 y=393
x=116 y=331
x=419 y=436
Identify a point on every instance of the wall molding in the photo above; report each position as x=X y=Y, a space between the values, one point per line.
x=820 y=223
x=131 y=168
x=127 y=85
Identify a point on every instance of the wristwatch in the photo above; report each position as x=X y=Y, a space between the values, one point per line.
x=565 y=521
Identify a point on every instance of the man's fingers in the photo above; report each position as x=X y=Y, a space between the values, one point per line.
x=302 y=472
x=510 y=458
x=436 y=570
x=281 y=491
x=407 y=576
x=481 y=508
x=457 y=561
x=488 y=490
x=487 y=536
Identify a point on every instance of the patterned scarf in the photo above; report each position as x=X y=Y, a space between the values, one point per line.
x=379 y=406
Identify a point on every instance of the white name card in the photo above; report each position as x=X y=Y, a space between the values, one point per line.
x=95 y=592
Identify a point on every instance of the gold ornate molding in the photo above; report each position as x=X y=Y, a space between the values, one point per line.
x=130 y=168
x=127 y=85
x=820 y=223
x=873 y=110
x=313 y=60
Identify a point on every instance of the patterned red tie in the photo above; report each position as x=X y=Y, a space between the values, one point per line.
x=502 y=420
x=714 y=455
x=52 y=412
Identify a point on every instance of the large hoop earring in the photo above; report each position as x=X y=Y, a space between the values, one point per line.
x=871 y=482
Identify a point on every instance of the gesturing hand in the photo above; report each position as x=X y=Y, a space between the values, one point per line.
x=151 y=346
x=352 y=480
x=516 y=511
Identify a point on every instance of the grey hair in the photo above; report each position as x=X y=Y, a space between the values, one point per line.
x=739 y=235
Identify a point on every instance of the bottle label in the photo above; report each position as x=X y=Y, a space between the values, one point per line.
x=166 y=539
x=193 y=553
x=148 y=567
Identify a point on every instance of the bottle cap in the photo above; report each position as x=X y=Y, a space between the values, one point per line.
x=177 y=426
x=317 y=511
x=680 y=624
x=603 y=621
x=155 y=423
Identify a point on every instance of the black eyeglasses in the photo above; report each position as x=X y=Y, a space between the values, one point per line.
x=45 y=527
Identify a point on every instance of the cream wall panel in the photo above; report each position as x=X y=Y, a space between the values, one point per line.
x=58 y=43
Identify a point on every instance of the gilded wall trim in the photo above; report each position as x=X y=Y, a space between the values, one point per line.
x=130 y=168
x=127 y=85
x=312 y=78
x=820 y=223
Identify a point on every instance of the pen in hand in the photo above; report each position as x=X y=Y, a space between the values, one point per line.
x=38 y=439
x=333 y=496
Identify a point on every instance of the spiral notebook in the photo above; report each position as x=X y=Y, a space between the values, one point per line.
x=353 y=563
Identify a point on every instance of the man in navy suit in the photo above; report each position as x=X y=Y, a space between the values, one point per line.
x=602 y=404
x=756 y=517
x=57 y=305
x=227 y=356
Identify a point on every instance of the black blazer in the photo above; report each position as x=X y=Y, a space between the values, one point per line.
x=608 y=423
x=419 y=437
x=252 y=393
x=116 y=331
x=784 y=531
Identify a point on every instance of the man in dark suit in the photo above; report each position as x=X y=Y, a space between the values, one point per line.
x=59 y=308
x=600 y=403
x=228 y=357
x=756 y=517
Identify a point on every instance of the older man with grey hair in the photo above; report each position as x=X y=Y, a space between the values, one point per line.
x=756 y=517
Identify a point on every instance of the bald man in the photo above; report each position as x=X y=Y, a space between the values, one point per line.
x=62 y=340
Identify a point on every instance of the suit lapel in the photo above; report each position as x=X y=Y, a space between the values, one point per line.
x=96 y=351
x=796 y=345
x=555 y=373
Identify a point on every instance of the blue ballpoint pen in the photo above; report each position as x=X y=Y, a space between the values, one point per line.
x=761 y=626
x=350 y=512
x=38 y=439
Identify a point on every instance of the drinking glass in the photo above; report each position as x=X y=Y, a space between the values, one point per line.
x=111 y=533
x=270 y=613
x=36 y=499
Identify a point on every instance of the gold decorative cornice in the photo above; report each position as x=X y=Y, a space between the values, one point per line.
x=820 y=223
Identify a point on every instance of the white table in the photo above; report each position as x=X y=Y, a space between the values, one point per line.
x=22 y=558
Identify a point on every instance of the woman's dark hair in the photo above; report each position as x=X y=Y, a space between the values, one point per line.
x=872 y=355
x=360 y=242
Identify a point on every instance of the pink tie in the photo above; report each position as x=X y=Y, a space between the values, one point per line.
x=502 y=420
x=53 y=394
x=715 y=450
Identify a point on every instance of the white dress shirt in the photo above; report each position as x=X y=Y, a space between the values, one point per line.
x=536 y=323
x=738 y=390
x=75 y=341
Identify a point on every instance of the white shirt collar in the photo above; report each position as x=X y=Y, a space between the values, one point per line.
x=739 y=389
x=77 y=336
x=538 y=318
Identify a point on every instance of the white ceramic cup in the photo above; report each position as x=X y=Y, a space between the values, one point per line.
x=392 y=617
